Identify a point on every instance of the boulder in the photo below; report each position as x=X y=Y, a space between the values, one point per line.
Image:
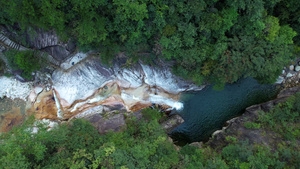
x=114 y=122
x=172 y=122
x=57 y=52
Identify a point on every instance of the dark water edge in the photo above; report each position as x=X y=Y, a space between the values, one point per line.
x=207 y=110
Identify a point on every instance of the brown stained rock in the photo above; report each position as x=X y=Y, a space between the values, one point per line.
x=12 y=118
x=140 y=106
x=44 y=106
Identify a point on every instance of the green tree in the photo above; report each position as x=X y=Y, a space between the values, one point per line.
x=27 y=61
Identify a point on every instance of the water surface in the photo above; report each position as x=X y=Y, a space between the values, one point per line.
x=207 y=110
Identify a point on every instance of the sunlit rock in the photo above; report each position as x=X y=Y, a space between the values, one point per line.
x=12 y=88
x=45 y=106
x=73 y=60
x=80 y=82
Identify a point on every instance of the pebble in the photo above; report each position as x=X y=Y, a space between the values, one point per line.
x=297 y=68
x=291 y=67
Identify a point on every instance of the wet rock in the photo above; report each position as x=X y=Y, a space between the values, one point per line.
x=44 y=106
x=172 y=122
x=163 y=77
x=297 y=68
x=136 y=88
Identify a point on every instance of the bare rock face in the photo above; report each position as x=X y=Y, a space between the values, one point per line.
x=106 y=124
x=39 y=39
x=58 y=52
x=48 y=41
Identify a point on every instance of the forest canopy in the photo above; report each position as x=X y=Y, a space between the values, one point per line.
x=214 y=41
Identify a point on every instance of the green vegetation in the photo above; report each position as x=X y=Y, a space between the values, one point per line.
x=251 y=125
x=283 y=122
x=2 y=66
x=284 y=118
x=208 y=41
x=145 y=145
x=26 y=61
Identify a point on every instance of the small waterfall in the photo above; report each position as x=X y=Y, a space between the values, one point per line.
x=156 y=99
x=59 y=111
x=84 y=79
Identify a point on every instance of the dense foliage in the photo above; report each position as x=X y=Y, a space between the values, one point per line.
x=26 y=61
x=145 y=145
x=214 y=40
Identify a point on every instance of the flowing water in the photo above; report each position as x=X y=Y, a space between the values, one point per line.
x=207 y=110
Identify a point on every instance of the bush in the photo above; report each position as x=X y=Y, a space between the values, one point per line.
x=26 y=61
x=2 y=66
x=284 y=118
x=251 y=125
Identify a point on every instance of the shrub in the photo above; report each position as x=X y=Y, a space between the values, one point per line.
x=284 y=118
x=251 y=125
x=27 y=61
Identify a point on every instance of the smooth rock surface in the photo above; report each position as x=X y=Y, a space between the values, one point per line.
x=81 y=82
x=83 y=79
